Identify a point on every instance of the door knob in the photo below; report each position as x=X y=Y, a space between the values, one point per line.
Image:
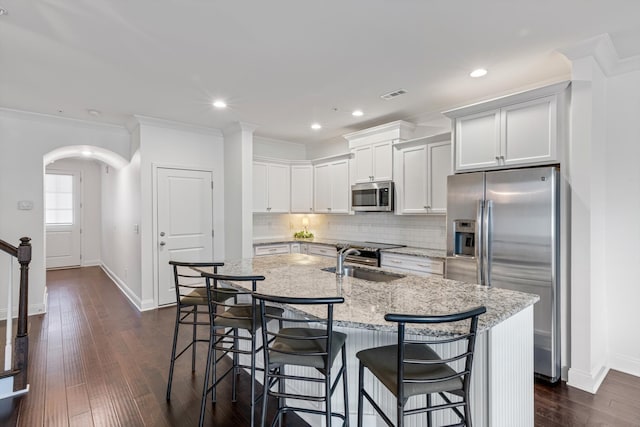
x=162 y=243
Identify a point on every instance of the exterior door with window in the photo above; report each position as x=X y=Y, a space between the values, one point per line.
x=62 y=218
x=184 y=223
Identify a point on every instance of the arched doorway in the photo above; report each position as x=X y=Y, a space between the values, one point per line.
x=72 y=204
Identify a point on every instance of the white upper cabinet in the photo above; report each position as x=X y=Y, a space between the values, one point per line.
x=270 y=187
x=331 y=185
x=516 y=130
x=422 y=167
x=372 y=151
x=478 y=140
x=529 y=132
x=301 y=188
x=373 y=162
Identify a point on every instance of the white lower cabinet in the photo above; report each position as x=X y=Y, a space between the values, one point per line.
x=322 y=250
x=412 y=264
x=296 y=248
x=275 y=249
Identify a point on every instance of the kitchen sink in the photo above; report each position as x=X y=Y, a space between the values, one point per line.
x=366 y=274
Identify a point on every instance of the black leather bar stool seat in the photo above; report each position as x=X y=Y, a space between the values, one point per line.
x=413 y=368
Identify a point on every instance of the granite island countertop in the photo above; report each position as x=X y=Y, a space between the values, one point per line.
x=439 y=254
x=366 y=303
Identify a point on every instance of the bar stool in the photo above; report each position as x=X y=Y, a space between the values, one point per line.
x=302 y=346
x=229 y=317
x=191 y=300
x=412 y=368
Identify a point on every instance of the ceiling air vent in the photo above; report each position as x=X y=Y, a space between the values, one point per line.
x=393 y=94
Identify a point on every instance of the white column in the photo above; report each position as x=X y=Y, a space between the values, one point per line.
x=587 y=175
x=238 y=192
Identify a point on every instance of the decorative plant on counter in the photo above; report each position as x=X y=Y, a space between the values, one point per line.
x=304 y=234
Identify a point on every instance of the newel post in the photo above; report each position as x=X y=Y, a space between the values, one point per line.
x=21 y=348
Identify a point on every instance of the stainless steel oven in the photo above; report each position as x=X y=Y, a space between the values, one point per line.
x=369 y=252
x=372 y=197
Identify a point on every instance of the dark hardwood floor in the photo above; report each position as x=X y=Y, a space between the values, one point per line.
x=95 y=360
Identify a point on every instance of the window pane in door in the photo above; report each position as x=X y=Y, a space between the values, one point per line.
x=58 y=199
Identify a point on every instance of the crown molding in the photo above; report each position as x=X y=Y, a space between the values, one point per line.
x=170 y=124
x=240 y=127
x=602 y=49
x=400 y=125
x=30 y=115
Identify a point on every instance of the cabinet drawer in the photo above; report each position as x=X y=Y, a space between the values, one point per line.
x=272 y=249
x=412 y=263
x=328 y=251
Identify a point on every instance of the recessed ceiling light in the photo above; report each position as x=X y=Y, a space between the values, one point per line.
x=3 y=11
x=316 y=126
x=478 y=72
x=219 y=104
x=94 y=113
x=357 y=113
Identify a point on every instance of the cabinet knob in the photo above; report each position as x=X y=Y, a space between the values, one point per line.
x=502 y=157
x=427 y=207
x=310 y=209
x=497 y=157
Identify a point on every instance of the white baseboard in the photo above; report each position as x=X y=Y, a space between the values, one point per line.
x=91 y=263
x=135 y=300
x=33 y=310
x=586 y=381
x=626 y=364
x=147 y=305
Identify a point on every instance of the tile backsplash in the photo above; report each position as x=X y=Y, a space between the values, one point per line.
x=412 y=230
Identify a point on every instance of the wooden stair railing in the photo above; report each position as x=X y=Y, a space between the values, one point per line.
x=21 y=347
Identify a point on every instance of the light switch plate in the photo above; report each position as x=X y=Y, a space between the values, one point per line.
x=25 y=205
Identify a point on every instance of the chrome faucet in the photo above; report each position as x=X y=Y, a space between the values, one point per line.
x=342 y=254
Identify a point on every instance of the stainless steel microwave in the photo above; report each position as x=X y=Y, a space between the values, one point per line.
x=372 y=196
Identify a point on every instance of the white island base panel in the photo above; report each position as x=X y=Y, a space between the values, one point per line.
x=502 y=384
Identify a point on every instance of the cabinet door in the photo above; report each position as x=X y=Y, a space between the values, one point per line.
x=302 y=189
x=260 y=187
x=362 y=164
x=529 y=132
x=340 y=188
x=322 y=188
x=477 y=141
x=439 y=167
x=278 y=185
x=382 y=161
x=413 y=181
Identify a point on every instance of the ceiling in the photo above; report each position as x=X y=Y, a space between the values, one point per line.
x=283 y=64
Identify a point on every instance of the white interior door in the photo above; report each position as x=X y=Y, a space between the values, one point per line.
x=62 y=218
x=184 y=223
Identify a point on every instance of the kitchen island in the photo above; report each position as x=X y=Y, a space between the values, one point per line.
x=502 y=380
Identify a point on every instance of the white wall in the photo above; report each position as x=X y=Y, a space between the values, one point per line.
x=622 y=202
x=332 y=147
x=422 y=231
x=171 y=144
x=266 y=147
x=24 y=139
x=121 y=245
x=91 y=211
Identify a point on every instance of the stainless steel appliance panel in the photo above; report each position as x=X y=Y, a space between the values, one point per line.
x=465 y=195
x=521 y=226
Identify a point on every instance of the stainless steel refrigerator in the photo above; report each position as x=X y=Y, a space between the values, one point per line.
x=503 y=231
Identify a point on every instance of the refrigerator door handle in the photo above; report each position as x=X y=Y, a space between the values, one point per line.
x=488 y=229
x=478 y=243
